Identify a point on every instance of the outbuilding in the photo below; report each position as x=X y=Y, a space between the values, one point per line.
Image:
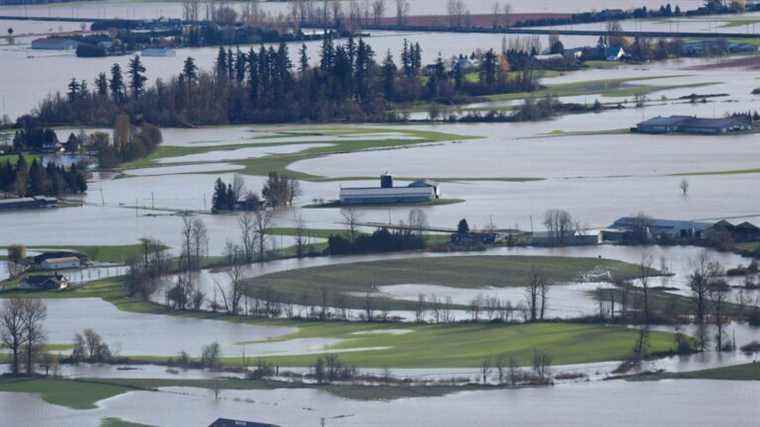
x=60 y=263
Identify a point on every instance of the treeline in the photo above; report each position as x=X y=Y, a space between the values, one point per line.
x=381 y=240
x=24 y=179
x=711 y=7
x=263 y=87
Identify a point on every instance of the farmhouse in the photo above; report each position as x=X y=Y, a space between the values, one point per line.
x=692 y=125
x=419 y=191
x=59 y=258
x=45 y=282
x=627 y=228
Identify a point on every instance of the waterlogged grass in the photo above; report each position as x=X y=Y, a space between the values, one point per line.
x=262 y=166
x=337 y=204
x=467 y=345
x=746 y=372
x=118 y=254
x=68 y=393
x=614 y=88
x=460 y=272
x=725 y=172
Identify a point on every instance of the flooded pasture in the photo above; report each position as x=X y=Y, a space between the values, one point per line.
x=675 y=403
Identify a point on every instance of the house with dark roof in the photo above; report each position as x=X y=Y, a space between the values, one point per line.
x=45 y=282
x=628 y=228
x=744 y=232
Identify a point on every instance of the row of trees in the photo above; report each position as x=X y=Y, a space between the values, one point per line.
x=24 y=179
x=264 y=86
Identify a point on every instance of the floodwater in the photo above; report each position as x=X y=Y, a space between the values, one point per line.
x=131 y=334
x=673 y=403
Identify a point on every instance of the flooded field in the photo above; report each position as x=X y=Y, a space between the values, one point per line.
x=674 y=403
x=131 y=334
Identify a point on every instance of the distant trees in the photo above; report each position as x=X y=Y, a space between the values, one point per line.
x=90 y=347
x=34 y=179
x=16 y=256
x=382 y=240
x=280 y=190
x=559 y=224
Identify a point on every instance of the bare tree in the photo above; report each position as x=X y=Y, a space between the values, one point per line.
x=419 y=309
x=378 y=10
x=402 y=11
x=232 y=296
x=704 y=272
x=187 y=242
x=500 y=363
x=485 y=370
x=238 y=186
x=719 y=291
x=684 y=187
x=34 y=314
x=543 y=293
x=369 y=307
x=541 y=363
x=644 y=273
x=302 y=238
x=533 y=293
x=351 y=219
x=246 y=223
x=559 y=224
x=262 y=222
x=200 y=242
x=12 y=330
x=418 y=221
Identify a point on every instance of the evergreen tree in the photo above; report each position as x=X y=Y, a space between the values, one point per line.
x=303 y=60
x=73 y=93
x=116 y=84
x=101 y=83
x=36 y=179
x=136 y=77
x=389 y=76
x=221 y=63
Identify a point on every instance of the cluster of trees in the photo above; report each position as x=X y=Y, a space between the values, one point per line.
x=405 y=236
x=89 y=347
x=278 y=191
x=210 y=358
x=130 y=142
x=263 y=86
x=508 y=371
x=22 y=333
x=330 y=368
x=24 y=179
x=31 y=135
x=146 y=269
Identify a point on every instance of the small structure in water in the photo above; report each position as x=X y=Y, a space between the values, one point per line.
x=37 y=202
x=420 y=191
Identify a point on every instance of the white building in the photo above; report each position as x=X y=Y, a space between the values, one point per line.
x=60 y=263
x=417 y=192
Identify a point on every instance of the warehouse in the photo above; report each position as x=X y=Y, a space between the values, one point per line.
x=419 y=191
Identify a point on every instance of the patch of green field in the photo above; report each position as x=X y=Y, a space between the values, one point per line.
x=467 y=345
x=71 y=394
x=118 y=254
x=746 y=372
x=118 y=422
x=351 y=281
x=616 y=88
x=725 y=172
